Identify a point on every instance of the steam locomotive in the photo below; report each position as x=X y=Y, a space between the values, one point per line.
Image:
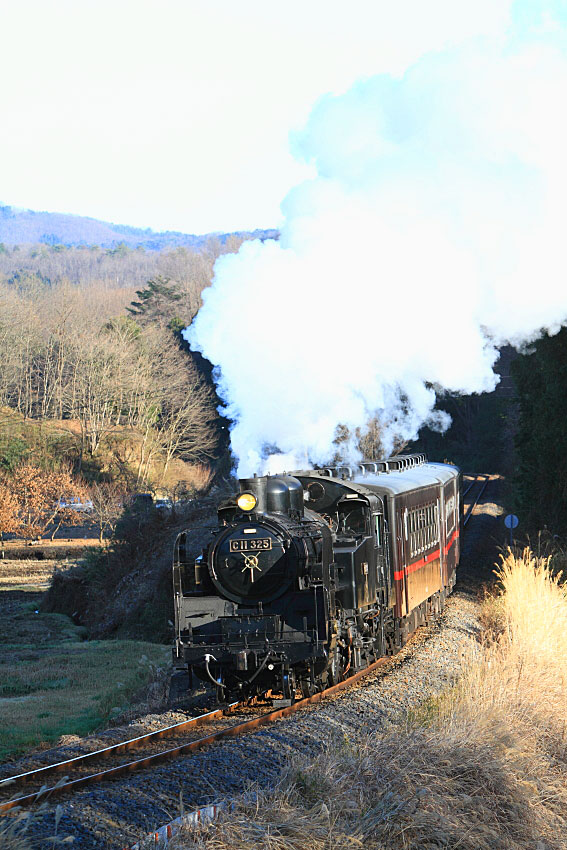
x=312 y=576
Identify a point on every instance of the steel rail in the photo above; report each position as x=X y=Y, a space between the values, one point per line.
x=237 y=729
x=481 y=480
x=474 y=479
x=122 y=746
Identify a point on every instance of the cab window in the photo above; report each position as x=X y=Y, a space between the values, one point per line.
x=352 y=519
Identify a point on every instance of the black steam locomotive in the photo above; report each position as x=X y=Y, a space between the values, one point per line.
x=312 y=576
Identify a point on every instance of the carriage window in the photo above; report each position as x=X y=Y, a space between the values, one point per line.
x=450 y=514
x=423 y=524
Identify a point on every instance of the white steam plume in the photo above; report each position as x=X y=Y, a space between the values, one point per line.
x=433 y=232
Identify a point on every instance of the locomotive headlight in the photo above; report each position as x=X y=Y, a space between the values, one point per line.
x=246 y=502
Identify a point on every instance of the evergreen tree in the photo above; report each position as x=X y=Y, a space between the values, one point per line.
x=541 y=443
x=156 y=302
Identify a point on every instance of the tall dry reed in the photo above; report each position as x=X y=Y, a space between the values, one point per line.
x=518 y=678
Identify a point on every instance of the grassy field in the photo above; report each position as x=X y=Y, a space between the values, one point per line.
x=52 y=681
x=25 y=575
x=482 y=767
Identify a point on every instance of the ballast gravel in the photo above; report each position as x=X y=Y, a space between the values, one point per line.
x=116 y=814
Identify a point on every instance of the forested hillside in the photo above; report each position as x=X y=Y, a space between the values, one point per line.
x=18 y=227
x=93 y=369
x=95 y=376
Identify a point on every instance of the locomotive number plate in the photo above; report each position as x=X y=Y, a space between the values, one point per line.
x=251 y=545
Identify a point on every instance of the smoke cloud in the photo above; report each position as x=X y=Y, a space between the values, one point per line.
x=432 y=233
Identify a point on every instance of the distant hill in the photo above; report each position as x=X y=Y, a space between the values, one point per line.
x=19 y=227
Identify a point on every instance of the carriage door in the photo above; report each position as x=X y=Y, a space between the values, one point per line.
x=382 y=574
x=382 y=577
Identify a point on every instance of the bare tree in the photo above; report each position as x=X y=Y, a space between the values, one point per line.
x=182 y=408
x=185 y=428
x=369 y=439
x=98 y=387
x=108 y=503
x=66 y=352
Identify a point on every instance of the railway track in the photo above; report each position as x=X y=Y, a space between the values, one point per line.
x=92 y=767
x=119 y=813
x=89 y=767
x=473 y=490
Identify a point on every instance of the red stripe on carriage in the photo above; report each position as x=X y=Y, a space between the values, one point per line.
x=452 y=539
x=412 y=568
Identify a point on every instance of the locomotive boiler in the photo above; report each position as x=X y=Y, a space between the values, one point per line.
x=312 y=576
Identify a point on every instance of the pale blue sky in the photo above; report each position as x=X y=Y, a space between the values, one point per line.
x=176 y=114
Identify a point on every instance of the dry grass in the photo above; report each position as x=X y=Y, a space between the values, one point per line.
x=16 y=575
x=519 y=676
x=419 y=789
x=17 y=827
x=14 y=831
x=483 y=767
x=53 y=683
